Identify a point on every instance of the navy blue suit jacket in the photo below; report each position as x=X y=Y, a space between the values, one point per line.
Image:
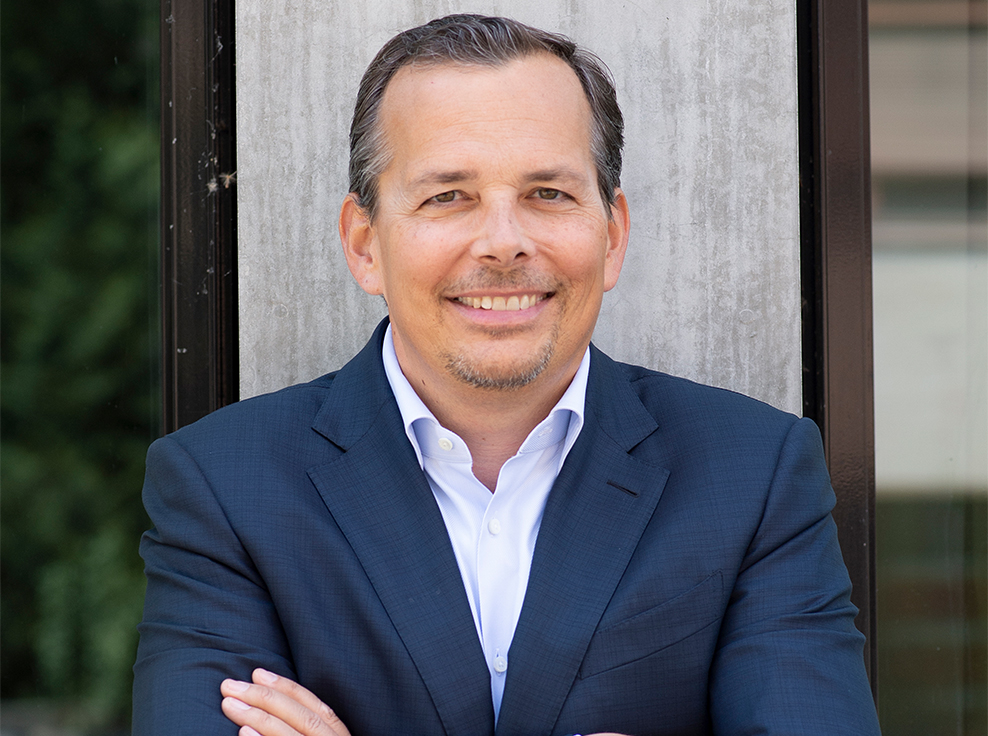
x=686 y=579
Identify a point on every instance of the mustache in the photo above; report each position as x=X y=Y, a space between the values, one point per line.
x=487 y=278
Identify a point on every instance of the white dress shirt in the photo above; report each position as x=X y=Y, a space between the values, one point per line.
x=493 y=535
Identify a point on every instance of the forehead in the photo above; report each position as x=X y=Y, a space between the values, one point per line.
x=531 y=99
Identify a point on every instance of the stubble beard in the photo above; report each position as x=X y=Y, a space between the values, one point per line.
x=473 y=372
x=508 y=379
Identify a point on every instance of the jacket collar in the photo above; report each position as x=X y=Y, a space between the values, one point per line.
x=361 y=391
x=358 y=396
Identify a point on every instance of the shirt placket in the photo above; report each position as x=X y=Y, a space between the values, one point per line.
x=502 y=574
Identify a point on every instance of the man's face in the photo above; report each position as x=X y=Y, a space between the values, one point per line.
x=491 y=243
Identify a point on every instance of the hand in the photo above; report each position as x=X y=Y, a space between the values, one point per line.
x=276 y=706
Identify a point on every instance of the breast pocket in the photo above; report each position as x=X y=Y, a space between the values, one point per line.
x=655 y=629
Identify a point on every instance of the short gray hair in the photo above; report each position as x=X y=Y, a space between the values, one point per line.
x=488 y=41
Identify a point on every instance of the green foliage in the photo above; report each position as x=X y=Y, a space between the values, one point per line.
x=78 y=342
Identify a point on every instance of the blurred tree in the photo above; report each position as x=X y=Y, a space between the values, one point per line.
x=78 y=342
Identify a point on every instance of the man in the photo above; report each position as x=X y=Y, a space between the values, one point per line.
x=481 y=522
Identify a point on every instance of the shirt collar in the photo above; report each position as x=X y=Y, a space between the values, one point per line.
x=564 y=420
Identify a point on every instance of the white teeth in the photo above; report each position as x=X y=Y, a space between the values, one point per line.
x=500 y=303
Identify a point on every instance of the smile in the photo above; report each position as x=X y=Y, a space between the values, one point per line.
x=501 y=303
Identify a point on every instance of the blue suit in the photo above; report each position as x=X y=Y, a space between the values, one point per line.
x=686 y=580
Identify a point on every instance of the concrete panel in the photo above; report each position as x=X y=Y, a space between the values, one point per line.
x=710 y=288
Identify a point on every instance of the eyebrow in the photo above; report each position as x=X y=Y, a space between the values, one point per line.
x=443 y=177
x=562 y=174
x=431 y=178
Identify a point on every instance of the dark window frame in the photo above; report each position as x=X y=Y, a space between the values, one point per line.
x=835 y=223
x=199 y=235
x=200 y=333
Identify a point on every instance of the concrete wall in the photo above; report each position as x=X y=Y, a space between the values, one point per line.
x=710 y=288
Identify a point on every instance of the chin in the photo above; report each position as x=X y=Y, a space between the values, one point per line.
x=495 y=378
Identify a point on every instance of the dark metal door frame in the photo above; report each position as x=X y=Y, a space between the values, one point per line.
x=200 y=356
x=835 y=212
x=199 y=235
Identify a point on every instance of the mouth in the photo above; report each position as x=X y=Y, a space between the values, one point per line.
x=511 y=303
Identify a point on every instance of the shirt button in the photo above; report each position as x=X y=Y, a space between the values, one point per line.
x=494 y=526
x=500 y=665
x=445 y=444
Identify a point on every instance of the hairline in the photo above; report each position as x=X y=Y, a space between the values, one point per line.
x=377 y=139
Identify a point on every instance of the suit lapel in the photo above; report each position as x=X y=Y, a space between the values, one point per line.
x=595 y=515
x=382 y=502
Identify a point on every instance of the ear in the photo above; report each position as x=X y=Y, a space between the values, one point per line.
x=360 y=245
x=618 y=229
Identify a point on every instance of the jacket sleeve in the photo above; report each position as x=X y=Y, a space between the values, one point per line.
x=789 y=659
x=207 y=613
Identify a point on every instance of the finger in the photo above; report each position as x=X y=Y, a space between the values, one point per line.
x=278 y=712
x=254 y=721
x=302 y=696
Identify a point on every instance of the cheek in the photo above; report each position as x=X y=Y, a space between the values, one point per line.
x=583 y=258
x=424 y=246
x=414 y=270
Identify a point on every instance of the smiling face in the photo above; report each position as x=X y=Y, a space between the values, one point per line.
x=490 y=244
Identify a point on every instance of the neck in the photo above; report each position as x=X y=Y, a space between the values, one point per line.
x=493 y=423
x=494 y=426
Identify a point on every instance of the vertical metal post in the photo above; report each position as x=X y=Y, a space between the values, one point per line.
x=199 y=210
x=836 y=235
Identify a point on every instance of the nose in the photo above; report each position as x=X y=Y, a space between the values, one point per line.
x=501 y=240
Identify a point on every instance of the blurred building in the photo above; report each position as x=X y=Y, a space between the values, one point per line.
x=929 y=121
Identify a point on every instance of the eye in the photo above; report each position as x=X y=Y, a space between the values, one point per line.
x=547 y=193
x=445 y=197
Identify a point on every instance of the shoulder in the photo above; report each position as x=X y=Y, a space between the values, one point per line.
x=740 y=451
x=700 y=430
x=684 y=405
x=280 y=418
x=284 y=432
